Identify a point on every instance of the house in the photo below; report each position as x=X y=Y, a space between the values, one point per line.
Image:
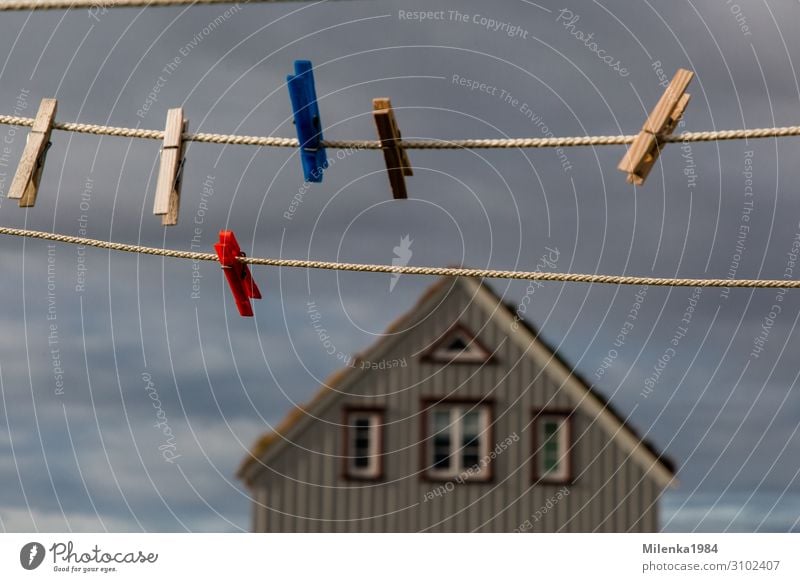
x=460 y=418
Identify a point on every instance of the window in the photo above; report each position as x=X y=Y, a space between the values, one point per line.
x=363 y=443
x=457 y=440
x=458 y=345
x=552 y=447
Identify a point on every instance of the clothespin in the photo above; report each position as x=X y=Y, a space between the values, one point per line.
x=397 y=164
x=307 y=120
x=643 y=152
x=241 y=282
x=170 y=172
x=25 y=184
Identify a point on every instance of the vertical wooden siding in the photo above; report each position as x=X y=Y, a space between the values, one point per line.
x=305 y=491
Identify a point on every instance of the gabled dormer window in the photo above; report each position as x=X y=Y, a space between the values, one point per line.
x=458 y=345
x=363 y=443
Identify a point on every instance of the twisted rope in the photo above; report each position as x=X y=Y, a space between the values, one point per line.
x=426 y=144
x=408 y=270
x=99 y=5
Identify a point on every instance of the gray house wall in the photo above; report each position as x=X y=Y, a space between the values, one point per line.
x=303 y=488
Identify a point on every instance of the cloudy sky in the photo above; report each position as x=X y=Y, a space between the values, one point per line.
x=85 y=351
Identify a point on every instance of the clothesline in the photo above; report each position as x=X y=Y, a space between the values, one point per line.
x=100 y=5
x=411 y=270
x=293 y=142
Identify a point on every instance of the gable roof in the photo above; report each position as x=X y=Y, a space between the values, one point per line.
x=528 y=338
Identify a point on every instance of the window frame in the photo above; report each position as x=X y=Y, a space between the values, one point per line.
x=485 y=432
x=566 y=476
x=375 y=472
x=480 y=355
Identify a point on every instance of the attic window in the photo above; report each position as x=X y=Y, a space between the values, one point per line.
x=363 y=443
x=458 y=345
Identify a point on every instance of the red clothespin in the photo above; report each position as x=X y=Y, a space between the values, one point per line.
x=238 y=274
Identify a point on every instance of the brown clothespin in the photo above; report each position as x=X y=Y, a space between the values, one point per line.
x=397 y=164
x=170 y=172
x=643 y=152
x=25 y=184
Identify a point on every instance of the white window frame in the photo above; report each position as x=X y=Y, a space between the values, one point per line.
x=473 y=353
x=562 y=435
x=456 y=432
x=373 y=468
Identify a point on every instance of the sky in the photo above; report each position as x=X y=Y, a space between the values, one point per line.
x=92 y=339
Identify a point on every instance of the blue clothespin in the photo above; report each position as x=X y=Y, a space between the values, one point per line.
x=307 y=120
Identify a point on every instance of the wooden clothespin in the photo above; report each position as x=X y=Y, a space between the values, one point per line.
x=170 y=172
x=303 y=96
x=397 y=164
x=643 y=152
x=240 y=280
x=25 y=184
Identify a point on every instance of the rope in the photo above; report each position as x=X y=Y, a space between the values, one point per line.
x=408 y=270
x=426 y=144
x=101 y=5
